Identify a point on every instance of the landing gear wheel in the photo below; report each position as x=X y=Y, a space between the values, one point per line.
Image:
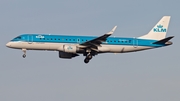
x=89 y=56
x=24 y=55
x=86 y=60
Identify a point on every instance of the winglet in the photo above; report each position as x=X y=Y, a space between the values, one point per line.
x=112 y=31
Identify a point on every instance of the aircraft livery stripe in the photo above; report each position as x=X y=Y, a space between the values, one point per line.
x=81 y=39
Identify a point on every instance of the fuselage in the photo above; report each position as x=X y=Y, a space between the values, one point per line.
x=53 y=42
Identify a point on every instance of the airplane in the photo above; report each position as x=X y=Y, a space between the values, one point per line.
x=72 y=46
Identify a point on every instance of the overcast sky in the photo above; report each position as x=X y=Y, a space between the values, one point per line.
x=151 y=75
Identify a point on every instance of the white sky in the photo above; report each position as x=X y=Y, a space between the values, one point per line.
x=151 y=75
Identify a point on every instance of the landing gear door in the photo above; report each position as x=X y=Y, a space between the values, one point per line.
x=30 y=39
x=135 y=42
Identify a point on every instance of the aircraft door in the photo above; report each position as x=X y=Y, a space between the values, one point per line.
x=135 y=42
x=30 y=39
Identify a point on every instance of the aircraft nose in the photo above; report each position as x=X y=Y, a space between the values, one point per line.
x=8 y=44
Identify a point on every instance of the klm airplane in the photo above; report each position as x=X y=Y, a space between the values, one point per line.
x=71 y=46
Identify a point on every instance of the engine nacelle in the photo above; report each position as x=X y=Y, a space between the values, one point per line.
x=66 y=55
x=69 y=48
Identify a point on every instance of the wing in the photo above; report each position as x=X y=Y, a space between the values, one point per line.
x=94 y=43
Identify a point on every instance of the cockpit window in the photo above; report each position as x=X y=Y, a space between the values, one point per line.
x=18 y=37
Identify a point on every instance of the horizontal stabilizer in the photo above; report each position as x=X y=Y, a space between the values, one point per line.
x=163 y=41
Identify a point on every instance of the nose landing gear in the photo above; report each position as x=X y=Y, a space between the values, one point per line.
x=24 y=55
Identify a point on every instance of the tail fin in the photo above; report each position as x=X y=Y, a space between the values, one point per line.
x=159 y=31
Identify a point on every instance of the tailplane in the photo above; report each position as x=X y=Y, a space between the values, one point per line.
x=164 y=41
x=159 y=31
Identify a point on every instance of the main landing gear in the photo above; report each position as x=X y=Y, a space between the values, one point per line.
x=88 y=58
x=24 y=55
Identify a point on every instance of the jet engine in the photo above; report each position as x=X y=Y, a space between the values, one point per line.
x=67 y=55
x=69 y=48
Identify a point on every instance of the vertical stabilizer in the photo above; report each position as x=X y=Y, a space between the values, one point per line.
x=159 y=31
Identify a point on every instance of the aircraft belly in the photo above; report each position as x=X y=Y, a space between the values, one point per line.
x=44 y=46
x=54 y=46
x=125 y=48
x=114 y=48
x=134 y=49
x=36 y=46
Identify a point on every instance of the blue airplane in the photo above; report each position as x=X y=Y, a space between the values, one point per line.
x=71 y=46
